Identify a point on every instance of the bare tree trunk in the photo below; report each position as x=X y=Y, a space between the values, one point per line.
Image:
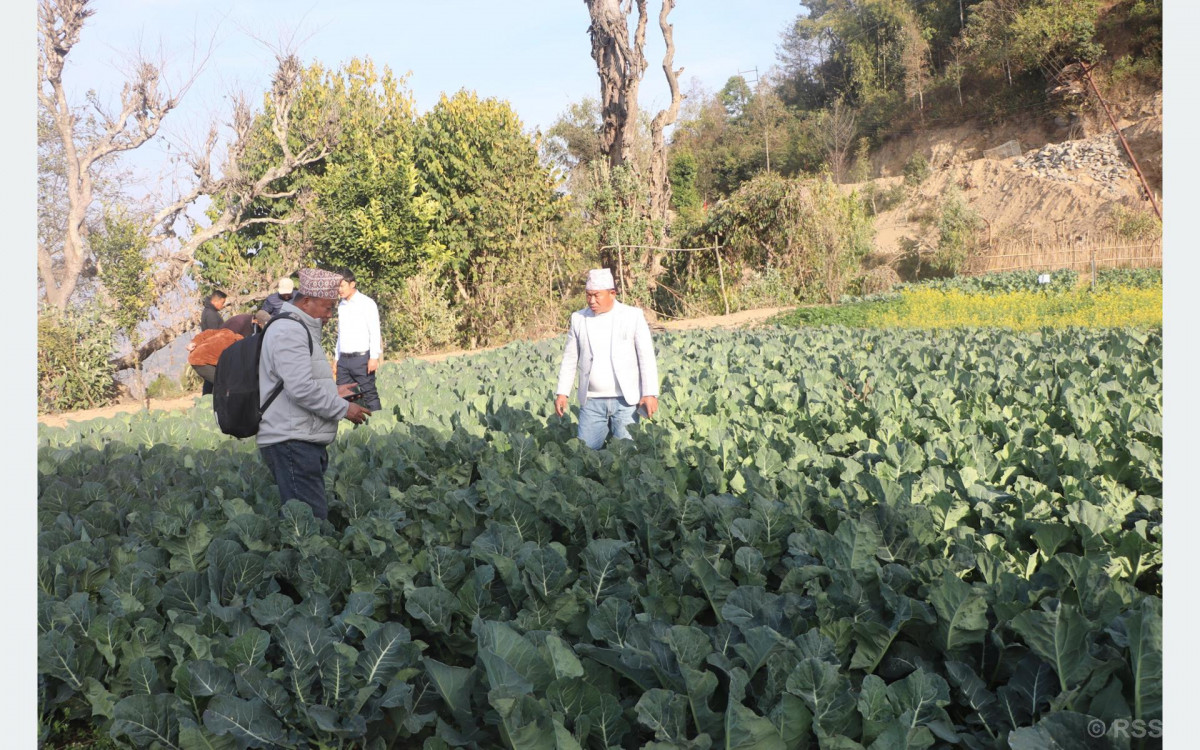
x=957 y=51
x=620 y=65
x=141 y=378
x=660 y=186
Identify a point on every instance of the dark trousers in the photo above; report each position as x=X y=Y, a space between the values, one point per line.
x=299 y=471
x=354 y=370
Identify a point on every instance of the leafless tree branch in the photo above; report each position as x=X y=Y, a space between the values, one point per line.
x=145 y=101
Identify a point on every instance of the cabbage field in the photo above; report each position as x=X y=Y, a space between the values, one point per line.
x=827 y=538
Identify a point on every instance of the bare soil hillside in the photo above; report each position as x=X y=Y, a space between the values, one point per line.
x=1021 y=196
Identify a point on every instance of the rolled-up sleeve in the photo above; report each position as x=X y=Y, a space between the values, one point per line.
x=647 y=365
x=570 y=360
x=376 y=347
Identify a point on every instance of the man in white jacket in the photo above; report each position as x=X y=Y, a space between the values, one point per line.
x=609 y=344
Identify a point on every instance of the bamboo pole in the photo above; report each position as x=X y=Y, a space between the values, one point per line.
x=721 y=276
x=621 y=267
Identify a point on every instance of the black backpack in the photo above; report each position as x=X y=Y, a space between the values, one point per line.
x=235 y=385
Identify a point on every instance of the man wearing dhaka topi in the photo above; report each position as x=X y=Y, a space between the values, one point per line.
x=304 y=416
x=609 y=345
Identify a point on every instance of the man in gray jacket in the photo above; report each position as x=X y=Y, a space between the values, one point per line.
x=303 y=419
x=609 y=343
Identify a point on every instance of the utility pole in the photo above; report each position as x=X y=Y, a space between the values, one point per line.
x=763 y=109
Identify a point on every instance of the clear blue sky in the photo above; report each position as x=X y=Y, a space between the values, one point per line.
x=534 y=54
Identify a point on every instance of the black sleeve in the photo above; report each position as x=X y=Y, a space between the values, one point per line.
x=210 y=319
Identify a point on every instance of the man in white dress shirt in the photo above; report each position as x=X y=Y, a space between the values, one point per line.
x=609 y=344
x=359 y=345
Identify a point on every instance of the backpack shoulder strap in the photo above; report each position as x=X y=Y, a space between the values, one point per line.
x=279 y=387
x=290 y=316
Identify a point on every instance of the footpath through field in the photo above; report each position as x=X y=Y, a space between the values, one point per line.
x=743 y=319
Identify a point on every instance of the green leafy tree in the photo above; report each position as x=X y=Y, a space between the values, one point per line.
x=370 y=214
x=496 y=201
x=1025 y=35
x=124 y=270
x=989 y=36
x=958 y=228
x=730 y=150
x=123 y=299
x=684 y=197
x=857 y=48
x=1056 y=32
x=573 y=141
x=735 y=96
x=358 y=207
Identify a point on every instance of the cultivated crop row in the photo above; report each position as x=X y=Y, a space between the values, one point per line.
x=845 y=538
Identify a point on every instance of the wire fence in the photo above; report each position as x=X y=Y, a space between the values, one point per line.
x=714 y=249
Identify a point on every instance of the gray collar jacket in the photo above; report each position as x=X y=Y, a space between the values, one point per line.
x=632 y=353
x=308 y=408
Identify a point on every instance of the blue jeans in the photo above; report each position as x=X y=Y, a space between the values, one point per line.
x=599 y=414
x=299 y=471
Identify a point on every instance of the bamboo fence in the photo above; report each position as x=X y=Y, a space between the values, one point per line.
x=1086 y=253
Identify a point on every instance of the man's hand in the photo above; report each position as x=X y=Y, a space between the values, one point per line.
x=649 y=404
x=357 y=414
x=372 y=365
x=560 y=405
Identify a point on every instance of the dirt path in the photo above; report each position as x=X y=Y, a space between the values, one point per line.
x=743 y=319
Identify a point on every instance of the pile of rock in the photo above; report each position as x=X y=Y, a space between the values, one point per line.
x=1100 y=157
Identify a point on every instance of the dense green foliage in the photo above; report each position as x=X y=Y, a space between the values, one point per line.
x=73 y=365
x=958 y=233
x=125 y=271
x=448 y=219
x=856 y=314
x=369 y=212
x=497 y=213
x=75 y=349
x=684 y=197
x=859 y=537
x=806 y=232
x=1134 y=278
